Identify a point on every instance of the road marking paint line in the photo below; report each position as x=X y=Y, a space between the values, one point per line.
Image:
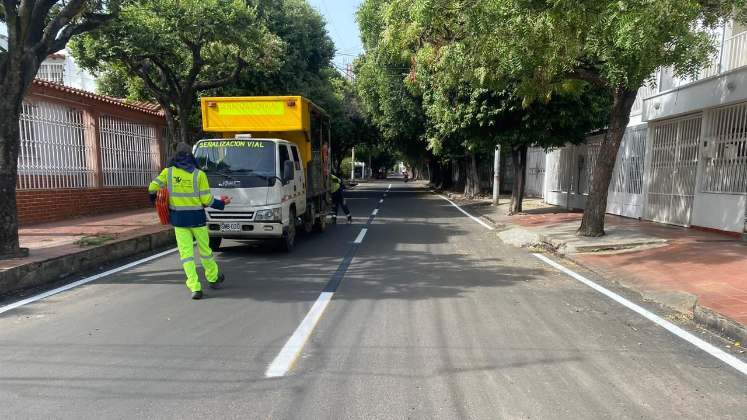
x=288 y=355
x=384 y=195
x=467 y=214
x=390 y=186
x=84 y=281
x=359 y=239
x=679 y=332
x=375 y=212
x=381 y=201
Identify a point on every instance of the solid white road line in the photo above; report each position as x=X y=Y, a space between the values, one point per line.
x=468 y=215
x=288 y=355
x=375 y=212
x=679 y=332
x=359 y=239
x=84 y=281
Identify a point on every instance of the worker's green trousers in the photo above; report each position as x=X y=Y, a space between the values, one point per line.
x=185 y=238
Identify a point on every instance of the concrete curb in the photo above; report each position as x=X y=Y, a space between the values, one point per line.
x=720 y=324
x=38 y=274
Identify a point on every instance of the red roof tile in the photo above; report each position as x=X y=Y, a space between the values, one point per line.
x=146 y=107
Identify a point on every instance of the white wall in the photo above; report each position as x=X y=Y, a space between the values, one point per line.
x=719 y=211
x=703 y=94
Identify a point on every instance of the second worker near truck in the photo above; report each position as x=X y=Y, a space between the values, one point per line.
x=338 y=199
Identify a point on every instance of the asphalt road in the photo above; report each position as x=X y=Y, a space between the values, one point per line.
x=434 y=319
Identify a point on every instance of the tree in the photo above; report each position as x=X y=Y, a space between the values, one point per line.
x=36 y=29
x=615 y=44
x=179 y=49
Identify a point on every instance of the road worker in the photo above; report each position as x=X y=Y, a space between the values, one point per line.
x=189 y=194
x=338 y=199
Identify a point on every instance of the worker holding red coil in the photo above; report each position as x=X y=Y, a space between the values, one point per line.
x=181 y=193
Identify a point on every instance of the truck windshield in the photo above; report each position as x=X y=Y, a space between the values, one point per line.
x=237 y=157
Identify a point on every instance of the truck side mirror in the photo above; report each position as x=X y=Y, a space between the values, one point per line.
x=289 y=171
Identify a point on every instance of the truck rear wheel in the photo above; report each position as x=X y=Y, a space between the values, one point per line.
x=321 y=224
x=308 y=220
x=215 y=243
x=289 y=240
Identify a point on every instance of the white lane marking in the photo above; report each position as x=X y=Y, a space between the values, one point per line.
x=359 y=239
x=385 y=195
x=390 y=186
x=84 y=281
x=679 y=332
x=375 y=212
x=468 y=215
x=381 y=201
x=288 y=355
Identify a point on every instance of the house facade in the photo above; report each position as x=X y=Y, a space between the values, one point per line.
x=683 y=159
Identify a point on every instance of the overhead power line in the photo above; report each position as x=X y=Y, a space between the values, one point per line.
x=333 y=24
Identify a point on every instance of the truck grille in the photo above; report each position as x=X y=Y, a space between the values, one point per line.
x=231 y=215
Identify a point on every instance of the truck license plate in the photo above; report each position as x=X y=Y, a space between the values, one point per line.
x=230 y=227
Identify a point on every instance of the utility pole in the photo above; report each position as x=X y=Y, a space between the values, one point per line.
x=497 y=174
x=352 y=173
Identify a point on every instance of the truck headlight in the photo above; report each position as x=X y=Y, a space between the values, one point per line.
x=269 y=215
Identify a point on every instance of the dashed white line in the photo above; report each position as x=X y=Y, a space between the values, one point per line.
x=679 y=332
x=390 y=186
x=487 y=226
x=288 y=355
x=359 y=239
x=84 y=281
x=375 y=212
x=381 y=201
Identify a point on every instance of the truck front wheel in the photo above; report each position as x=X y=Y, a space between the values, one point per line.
x=289 y=240
x=215 y=243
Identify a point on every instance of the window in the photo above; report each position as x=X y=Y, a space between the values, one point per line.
x=53 y=72
x=296 y=159
x=284 y=156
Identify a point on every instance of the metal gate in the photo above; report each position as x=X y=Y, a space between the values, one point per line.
x=625 y=197
x=535 y=182
x=674 y=162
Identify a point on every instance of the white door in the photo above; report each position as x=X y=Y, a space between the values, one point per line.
x=625 y=197
x=674 y=163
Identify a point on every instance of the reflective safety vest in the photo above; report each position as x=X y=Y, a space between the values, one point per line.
x=336 y=184
x=189 y=194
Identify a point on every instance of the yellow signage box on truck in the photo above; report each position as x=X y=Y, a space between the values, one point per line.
x=289 y=118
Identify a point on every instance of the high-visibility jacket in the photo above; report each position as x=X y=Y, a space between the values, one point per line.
x=336 y=184
x=189 y=194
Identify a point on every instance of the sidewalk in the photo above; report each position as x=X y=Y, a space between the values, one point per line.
x=699 y=273
x=64 y=248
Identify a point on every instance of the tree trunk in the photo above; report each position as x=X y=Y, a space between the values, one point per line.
x=472 y=177
x=447 y=177
x=435 y=170
x=184 y=111
x=592 y=223
x=10 y=140
x=519 y=158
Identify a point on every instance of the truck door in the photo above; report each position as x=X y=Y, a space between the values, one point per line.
x=300 y=178
x=290 y=189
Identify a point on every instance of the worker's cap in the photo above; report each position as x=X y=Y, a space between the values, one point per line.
x=183 y=148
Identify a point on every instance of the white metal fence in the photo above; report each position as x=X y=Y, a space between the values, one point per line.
x=625 y=196
x=674 y=161
x=732 y=55
x=129 y=152
x=725 y=168
x=53 y=72
x=53 y=153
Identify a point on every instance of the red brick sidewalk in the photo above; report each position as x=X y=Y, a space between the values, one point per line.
x=711 y=266
x=55 y=239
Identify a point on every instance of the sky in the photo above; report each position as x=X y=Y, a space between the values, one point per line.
x=342 y=27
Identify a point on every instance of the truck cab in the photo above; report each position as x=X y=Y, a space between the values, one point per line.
x=273 y=166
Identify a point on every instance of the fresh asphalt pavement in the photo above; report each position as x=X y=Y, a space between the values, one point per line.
x=435 y=319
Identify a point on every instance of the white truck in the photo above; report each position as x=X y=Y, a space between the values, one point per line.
x=272 y=159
